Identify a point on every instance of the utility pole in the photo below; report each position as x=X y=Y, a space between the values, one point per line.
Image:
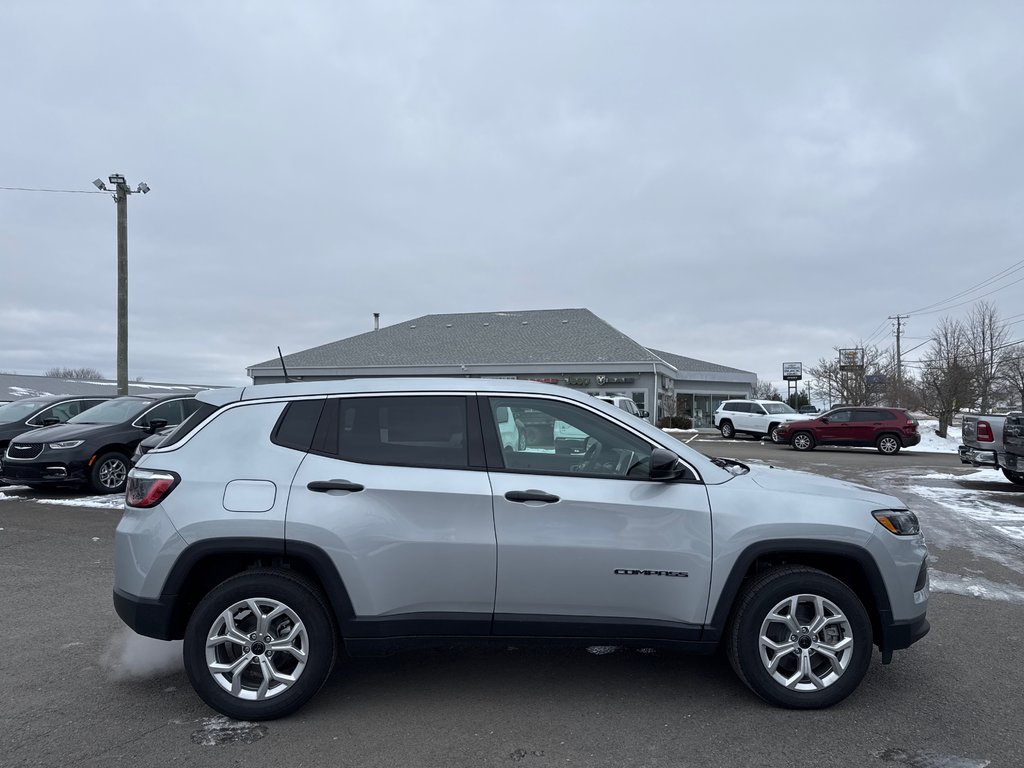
x=899 y=357
x=121 y=192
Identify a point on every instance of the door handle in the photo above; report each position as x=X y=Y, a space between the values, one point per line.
x=531 y=495
x=322 y=486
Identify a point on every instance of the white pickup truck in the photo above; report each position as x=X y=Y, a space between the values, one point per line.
x=984 y=444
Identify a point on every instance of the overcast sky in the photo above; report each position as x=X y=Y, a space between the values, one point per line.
x=746 y=183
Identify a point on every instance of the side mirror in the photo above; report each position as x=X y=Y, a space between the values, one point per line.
x=823 y=419
x=155 y=425
x=49 y=421
x=644 y=414
x=665 y=465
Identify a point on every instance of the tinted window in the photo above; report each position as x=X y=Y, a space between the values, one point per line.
x=428 y=431
x=837 y=417
x=170 y=410
x=738 y=407
x=756 y=408
x=871 y=415
x=297 y=424
x=61 y=412
x=18 y=410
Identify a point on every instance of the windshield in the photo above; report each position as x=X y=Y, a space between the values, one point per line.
x=777 y=408
x=112 y=411
x=18 y=410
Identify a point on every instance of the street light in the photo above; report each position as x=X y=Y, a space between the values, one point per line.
x=121 y=192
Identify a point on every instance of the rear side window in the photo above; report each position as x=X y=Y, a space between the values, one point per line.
x=738 y=407
x=297 y=425
x=202 y=410
x=419 y=431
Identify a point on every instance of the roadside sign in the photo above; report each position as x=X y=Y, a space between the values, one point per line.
x=792 y=371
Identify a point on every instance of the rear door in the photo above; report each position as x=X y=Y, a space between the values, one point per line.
x=395 y=491
x=868 y=423
x=589 y=542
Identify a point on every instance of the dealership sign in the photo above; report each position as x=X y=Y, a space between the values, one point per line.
x=792 y=371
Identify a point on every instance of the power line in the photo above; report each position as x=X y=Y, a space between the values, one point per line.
x=1016 y=267
x=61 y=191
x=975 y=298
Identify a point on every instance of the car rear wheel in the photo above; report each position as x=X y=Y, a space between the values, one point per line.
x=109 y=473
x=888 y=444
x=260 y=645
x=727 y=430
x=802 y=441
x=800 y=638
x=1017 y=478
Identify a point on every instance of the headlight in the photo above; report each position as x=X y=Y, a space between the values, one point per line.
x=66 y=444
x=902 y=522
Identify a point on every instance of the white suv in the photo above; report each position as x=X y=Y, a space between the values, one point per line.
x=625 y=403
x=757 y=418
x=282 y=523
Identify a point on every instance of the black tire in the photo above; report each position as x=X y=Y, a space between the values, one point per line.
x=109 y=473
x=727 y=430
x=802 y=441
x=305 y=626
x=752 y=623
x=888 y=444
x=1017 y=478
x=773 y=433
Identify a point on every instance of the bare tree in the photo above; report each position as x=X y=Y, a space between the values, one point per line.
x=850 y=387
x=765 y=390
x=948 y=378
x=986 y=336
x=1013 y=373
x=90 y=374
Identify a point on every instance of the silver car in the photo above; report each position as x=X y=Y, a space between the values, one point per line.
x=283 y=520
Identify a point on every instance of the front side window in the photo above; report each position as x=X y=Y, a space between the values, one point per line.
x=840 y=417
x=170 y=411
x=420 y=431
x=61 y=412
x=582 y=442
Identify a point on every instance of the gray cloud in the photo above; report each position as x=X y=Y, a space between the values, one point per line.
x=746 y=185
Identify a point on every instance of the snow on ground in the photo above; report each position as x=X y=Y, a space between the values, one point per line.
x=974 y=586
x=113 y=501
x=932 y=443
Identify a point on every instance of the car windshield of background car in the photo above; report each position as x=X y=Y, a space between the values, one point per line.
x=17 y=410
x=112 y=412
x=778 y=408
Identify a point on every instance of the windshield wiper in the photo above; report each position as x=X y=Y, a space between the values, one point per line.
x=730 y=465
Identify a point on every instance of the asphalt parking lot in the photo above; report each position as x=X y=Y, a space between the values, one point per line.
x=80 y=690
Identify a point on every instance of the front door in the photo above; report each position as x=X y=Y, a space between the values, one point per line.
x=588 y=541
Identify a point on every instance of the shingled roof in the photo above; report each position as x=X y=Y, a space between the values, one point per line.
x=481 y=338
x=691 y=364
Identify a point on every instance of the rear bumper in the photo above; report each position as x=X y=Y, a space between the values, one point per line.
x=976 y=457
x=152 y=618
x=911 y=440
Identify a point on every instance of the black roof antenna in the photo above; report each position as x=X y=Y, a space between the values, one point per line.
x=283 y=368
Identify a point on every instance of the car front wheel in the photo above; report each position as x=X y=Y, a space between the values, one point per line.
x=800 y=639
x=888 y=444
x=259 y=645
x=109 y=473
x=773 y=433
x=727 y=430
x=802 y=441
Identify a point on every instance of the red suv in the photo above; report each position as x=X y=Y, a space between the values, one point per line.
x=888 y=429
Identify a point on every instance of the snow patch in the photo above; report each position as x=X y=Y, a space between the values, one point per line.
x=975 y=586
x=222 y=730
x=1007 y=519
x=97 y=502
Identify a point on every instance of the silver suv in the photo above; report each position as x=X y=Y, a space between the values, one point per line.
x=282 y=520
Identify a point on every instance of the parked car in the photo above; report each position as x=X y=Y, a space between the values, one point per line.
x=757 y=418
x=807 y=409
x=149 y=443
x=984 y=444
x=93 y=448
x=28 y=413
x=284 y=519
x=1013 y=442
x=625 y=403
x=887 y=429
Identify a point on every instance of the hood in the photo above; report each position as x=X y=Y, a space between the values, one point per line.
x=58 y=432
x=801 y=420
x=789 y=418
x=794 y=481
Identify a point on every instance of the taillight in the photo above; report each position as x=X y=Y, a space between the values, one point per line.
x=984 y=432
x=146 y=487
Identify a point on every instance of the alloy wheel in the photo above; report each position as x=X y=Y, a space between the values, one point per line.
x=806 y=643
x=888 y=444
x=112 y=473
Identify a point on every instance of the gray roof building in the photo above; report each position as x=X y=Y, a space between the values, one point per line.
x=14 y=387
x=530 y=337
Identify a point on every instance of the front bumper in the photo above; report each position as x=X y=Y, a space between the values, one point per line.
x=43 y=472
